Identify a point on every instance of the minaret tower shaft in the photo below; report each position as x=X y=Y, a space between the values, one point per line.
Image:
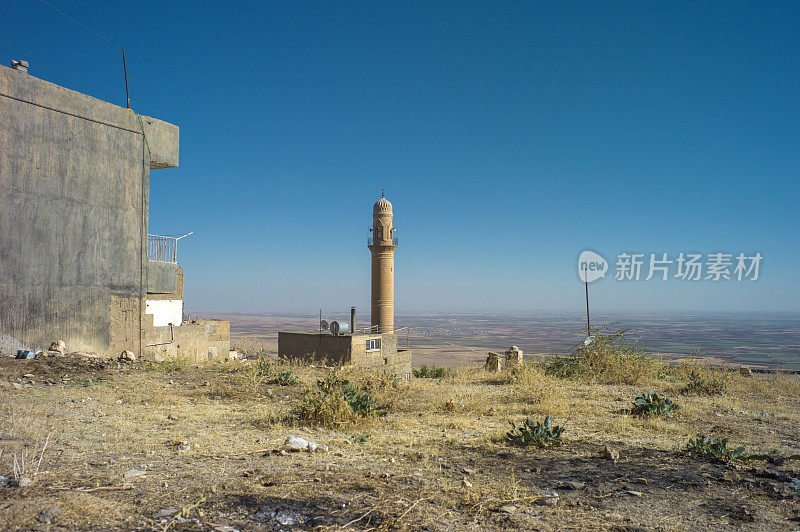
x=382 y=244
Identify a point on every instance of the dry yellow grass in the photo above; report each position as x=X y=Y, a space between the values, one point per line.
x=411 y=471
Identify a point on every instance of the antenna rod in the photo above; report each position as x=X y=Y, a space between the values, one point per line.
x=586 y=285
x=125 y=68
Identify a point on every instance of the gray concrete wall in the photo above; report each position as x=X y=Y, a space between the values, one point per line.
x=74 y=186
x=324 y=348
x=164 y=280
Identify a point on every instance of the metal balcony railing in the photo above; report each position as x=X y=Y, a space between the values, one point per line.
x=381 y=242
x=162 y=248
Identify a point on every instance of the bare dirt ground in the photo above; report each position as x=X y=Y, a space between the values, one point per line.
x=170 y=447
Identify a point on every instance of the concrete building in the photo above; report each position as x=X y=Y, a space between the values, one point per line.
x=74 y=207
x=377 y=346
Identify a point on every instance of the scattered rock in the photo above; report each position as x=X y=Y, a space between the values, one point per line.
x=295 y=443
x=172 y=416
x=614 y=516
x=289 y=517
x=507 y=509
x=283 y=452
x=514 y=356
x=776 y=475
x=58 y=347
x=611 y=454
x=493 y=362
x=4 y=481
x=549 y=499
x=225 y=528
x=22 y=482
x=171 y=382
x=634 y=493
x=47 y=515
x=24 y=354
x=573 y=485
x=134 y=473
x=467 y=483
x=166 y=512
x=469 y=471
x=206 y=383
x=127 y=356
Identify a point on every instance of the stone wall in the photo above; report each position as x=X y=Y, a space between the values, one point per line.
x=346 y=350
x=195 y=341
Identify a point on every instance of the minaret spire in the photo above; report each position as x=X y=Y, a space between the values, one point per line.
x=382 y=246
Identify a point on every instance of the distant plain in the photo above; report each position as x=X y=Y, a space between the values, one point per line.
x=758 y=339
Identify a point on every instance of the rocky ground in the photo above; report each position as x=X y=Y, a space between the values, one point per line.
x=113 y=446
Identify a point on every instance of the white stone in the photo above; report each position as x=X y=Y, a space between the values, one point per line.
x=295 y=443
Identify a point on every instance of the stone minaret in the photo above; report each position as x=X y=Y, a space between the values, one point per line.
x=382 y=246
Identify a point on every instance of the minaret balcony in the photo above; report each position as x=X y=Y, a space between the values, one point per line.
x=381 y=241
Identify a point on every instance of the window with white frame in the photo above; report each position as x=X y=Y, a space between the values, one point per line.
x=374 y=344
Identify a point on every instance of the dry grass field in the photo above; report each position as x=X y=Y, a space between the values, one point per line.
x=174 y=447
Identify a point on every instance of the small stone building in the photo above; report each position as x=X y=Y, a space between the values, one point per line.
x=373 y=351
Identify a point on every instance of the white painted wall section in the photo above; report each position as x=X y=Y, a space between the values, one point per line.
x=165 y=311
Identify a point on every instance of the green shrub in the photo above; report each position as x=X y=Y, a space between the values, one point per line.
x=537 y=434
x=562 y=367
x=262 y=367
x=336 y=402
x=361 y=402
x=360 y=438
x=284 y=378
x=714 y=449
x=650 y=404
x=424 y=372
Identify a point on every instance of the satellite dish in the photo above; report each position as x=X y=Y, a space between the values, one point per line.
x=323 y=325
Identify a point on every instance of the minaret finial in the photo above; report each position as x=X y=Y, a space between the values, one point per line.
x=382 y=193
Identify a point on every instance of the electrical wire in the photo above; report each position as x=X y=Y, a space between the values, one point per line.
x=84 y=26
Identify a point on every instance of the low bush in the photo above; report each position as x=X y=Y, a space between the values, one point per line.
x=424 y=372
x=609 y=358
x=562 y=367
x=650 y=404
x=538 y=434
x=708 y=383
x=284 y=378
x=336 y=402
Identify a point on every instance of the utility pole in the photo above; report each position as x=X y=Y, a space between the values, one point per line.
x=586 y=286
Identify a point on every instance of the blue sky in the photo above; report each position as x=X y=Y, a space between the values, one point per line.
x=509 y=136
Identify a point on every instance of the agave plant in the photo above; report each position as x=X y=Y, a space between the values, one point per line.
x=650 y=404
x=538 y=434
x=714 y=448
